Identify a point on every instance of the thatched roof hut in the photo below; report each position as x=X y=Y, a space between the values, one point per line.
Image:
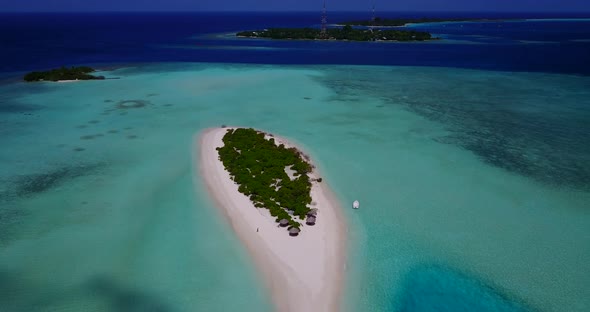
x=310 y=220
x=284 y=222
x=293 y=231
x=291 y=211
x=312 y=212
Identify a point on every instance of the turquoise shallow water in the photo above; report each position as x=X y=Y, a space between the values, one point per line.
x=473 y=187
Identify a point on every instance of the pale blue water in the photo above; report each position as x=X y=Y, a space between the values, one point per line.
x=473 y=187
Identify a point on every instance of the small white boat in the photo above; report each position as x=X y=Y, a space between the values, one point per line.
x=355 y=204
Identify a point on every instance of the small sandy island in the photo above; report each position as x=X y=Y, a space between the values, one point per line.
x=303 y=273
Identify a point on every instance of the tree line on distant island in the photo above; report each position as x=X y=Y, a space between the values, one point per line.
x=343 y=33
x=63 y=73
x=258 y=166
x=404 y=21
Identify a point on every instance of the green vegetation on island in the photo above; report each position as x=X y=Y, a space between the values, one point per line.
x=63 y=73
x=391 y=22
x=344 y=33
x=258 y=165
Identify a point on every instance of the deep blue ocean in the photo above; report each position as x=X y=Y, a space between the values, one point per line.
x=476 y=148
x=34 y=41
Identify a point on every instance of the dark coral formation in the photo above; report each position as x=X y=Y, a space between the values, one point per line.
x=132 y=104
x=89 y=137
x=40 y=182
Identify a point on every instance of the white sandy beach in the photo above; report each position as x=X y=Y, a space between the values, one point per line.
x=303 y=273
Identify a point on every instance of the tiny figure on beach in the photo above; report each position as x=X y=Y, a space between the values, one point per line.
x=256 y=230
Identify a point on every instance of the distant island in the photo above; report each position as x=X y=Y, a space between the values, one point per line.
x=343 y=33
x=396 y=22
x=63 y=74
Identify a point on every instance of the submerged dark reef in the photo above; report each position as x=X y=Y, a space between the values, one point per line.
x=11 y=218
x=435 y=288
x=20 y=292
x=27 y=185
x=13 y=214
x=518 y=123
x=132 y=104
x=11 y=98
x=123 y=106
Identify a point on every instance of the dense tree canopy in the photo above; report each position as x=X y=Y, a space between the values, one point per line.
x=344 y=33
x=63 y=73
x=258 y=166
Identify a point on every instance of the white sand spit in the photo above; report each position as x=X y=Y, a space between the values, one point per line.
x=303 y=273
